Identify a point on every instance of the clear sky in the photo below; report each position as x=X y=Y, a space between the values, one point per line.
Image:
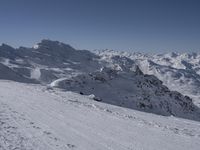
x=134 y=25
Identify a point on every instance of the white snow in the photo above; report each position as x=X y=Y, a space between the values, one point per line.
x=32 y=117
x=56 y=82
x=7 y=63
x=36 y=46
x=35 y=73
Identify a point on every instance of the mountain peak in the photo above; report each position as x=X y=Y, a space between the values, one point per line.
x=6 y=46
x=52 y=44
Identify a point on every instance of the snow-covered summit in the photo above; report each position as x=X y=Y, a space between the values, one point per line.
x=48 y=44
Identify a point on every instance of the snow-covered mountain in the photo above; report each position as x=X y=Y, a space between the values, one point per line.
x=110 y=77
x=47 y=61
x=70 y=99
x=178 y=71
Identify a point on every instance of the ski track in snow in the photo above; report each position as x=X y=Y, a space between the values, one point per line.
x=32 y=117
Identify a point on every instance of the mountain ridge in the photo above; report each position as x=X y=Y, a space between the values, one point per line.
x=59 y=65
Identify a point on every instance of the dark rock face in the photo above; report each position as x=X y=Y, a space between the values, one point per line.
x=141 y=92
x=9 y=74
x=53 y=59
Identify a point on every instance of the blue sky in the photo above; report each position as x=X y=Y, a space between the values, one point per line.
x=134 y=25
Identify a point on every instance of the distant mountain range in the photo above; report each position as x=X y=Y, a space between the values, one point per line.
x=138 y=81
x=178 y=71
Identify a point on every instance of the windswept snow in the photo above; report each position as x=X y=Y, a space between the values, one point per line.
x=33 y=117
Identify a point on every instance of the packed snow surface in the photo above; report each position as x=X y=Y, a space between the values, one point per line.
x=33 y=117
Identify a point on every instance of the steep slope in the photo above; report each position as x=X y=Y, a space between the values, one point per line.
x=48 y=61
x=32 y=117
x=132 y=90
x=9 y=74
x=182 y=70
x=183 y=80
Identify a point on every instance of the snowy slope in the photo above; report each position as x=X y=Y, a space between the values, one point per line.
x=33 y=117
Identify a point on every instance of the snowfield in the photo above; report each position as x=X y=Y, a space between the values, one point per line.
x=34 y=117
